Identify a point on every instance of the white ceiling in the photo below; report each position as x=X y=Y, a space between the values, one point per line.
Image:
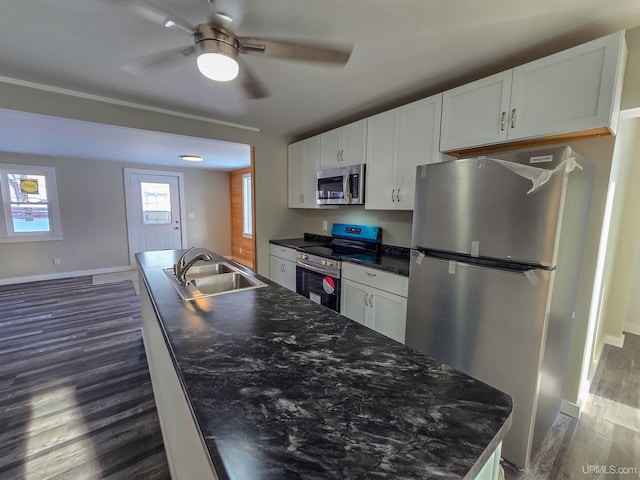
x=401 y=50
x=22 y=132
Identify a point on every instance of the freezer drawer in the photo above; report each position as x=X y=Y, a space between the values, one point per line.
x=480 y=207
x=488 y=323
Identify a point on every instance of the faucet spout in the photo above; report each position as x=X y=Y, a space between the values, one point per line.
x=181 y=268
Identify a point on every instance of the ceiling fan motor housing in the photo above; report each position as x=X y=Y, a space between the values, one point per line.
x=209 y=39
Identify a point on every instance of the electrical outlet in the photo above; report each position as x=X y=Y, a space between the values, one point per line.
x=325 y=225
x=192 y=216
x=56 y=262
x=240 y=249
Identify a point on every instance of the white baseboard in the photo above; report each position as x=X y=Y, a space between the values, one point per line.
x=633 y=328
x=55 y=276
x=570 y=408
x=614 y=341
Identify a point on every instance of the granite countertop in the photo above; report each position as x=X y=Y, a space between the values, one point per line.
x=284 y=388
x=393 y=259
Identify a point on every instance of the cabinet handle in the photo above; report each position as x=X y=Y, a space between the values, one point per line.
x=398 y=196
x=303 y=198
x=503 y=117
x=366 y=298
x=393 y=192
x=513 y=118
x=370 y=274
x=371 y=300
x=282 y=268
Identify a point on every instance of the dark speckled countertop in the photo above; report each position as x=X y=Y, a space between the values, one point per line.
x=283 y=388
x=393 y=259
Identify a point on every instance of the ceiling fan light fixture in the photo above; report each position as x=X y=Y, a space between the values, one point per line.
x=217 y=66
x=215 y=54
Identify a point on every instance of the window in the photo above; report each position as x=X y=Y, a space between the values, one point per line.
x=156 y=203
x=30 y=204
x=247 y=213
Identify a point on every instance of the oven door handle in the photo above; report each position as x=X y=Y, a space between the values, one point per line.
x=323 y=271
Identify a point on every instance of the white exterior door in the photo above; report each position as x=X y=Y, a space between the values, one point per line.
x=153 y=211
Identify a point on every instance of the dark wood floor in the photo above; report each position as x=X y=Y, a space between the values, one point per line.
x=605 y=442
x=76 y=399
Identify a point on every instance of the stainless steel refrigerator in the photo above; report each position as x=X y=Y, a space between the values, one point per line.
x=497 y=250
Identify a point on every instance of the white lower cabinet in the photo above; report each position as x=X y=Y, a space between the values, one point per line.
x=283 y=266
x=375 y=298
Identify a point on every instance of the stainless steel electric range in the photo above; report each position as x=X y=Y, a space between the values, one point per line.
x=318 y=267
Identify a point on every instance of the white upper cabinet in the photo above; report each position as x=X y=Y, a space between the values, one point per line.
x=304 y=162
x=571 y=91
x=397 y=142
x=344 y=146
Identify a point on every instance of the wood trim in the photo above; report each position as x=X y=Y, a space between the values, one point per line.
x=531 y=142
x=243 y=248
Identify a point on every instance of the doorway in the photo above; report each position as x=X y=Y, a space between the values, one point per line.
x=155 y=209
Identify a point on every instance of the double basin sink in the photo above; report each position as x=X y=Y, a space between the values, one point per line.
x=207 y=279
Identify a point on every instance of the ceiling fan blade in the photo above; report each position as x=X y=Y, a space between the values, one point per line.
x=253 y=88
x=157 y=14
x=158 y=60
x=295 y=50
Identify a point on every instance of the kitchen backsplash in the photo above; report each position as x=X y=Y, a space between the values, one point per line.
x=396 y=225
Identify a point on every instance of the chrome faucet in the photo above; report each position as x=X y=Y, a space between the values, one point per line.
x=181 y=268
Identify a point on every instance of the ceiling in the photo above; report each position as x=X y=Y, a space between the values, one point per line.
x=402 y=50
x=23 y=132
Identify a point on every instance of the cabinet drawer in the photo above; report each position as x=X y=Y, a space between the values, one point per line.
x=380 y=279
x=283 y=252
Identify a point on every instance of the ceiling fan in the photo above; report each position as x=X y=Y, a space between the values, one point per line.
x=219 y=50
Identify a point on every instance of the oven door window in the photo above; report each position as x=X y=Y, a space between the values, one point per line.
x=318 y=288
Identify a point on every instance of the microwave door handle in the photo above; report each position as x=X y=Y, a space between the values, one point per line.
x=345 y=186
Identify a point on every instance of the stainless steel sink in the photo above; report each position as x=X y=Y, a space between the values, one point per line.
x=207 y=280
x=208 y=269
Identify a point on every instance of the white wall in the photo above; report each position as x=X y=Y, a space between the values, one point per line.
x=93 y=218
x=396 y=225
x=270 y=151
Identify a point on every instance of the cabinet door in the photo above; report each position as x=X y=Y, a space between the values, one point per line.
x=382 y=153
x=476 y=114
x=419 y=144
x=352 y=300
x=311 y=167
x=569 y=91
x=354 y=143
x=295 y=174
x=330 y=149
x=389 y=314
x=283 y=272
x=289 y=275
x=276 y=271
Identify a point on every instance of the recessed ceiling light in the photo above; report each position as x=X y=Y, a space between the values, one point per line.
x=169 y=23
x=192 y=158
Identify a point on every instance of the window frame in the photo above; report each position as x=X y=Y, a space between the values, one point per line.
x=247 y=209
x=7 y=232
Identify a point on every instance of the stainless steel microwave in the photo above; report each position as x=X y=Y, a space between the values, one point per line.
x=341 y=186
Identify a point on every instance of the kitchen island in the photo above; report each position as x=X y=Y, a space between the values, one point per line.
x=264 y=384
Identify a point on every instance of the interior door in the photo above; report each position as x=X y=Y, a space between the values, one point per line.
x=153 y=206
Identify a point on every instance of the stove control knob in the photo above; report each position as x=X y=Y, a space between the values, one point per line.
x=329 y=263
x=302 y=256
x=324 y=262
